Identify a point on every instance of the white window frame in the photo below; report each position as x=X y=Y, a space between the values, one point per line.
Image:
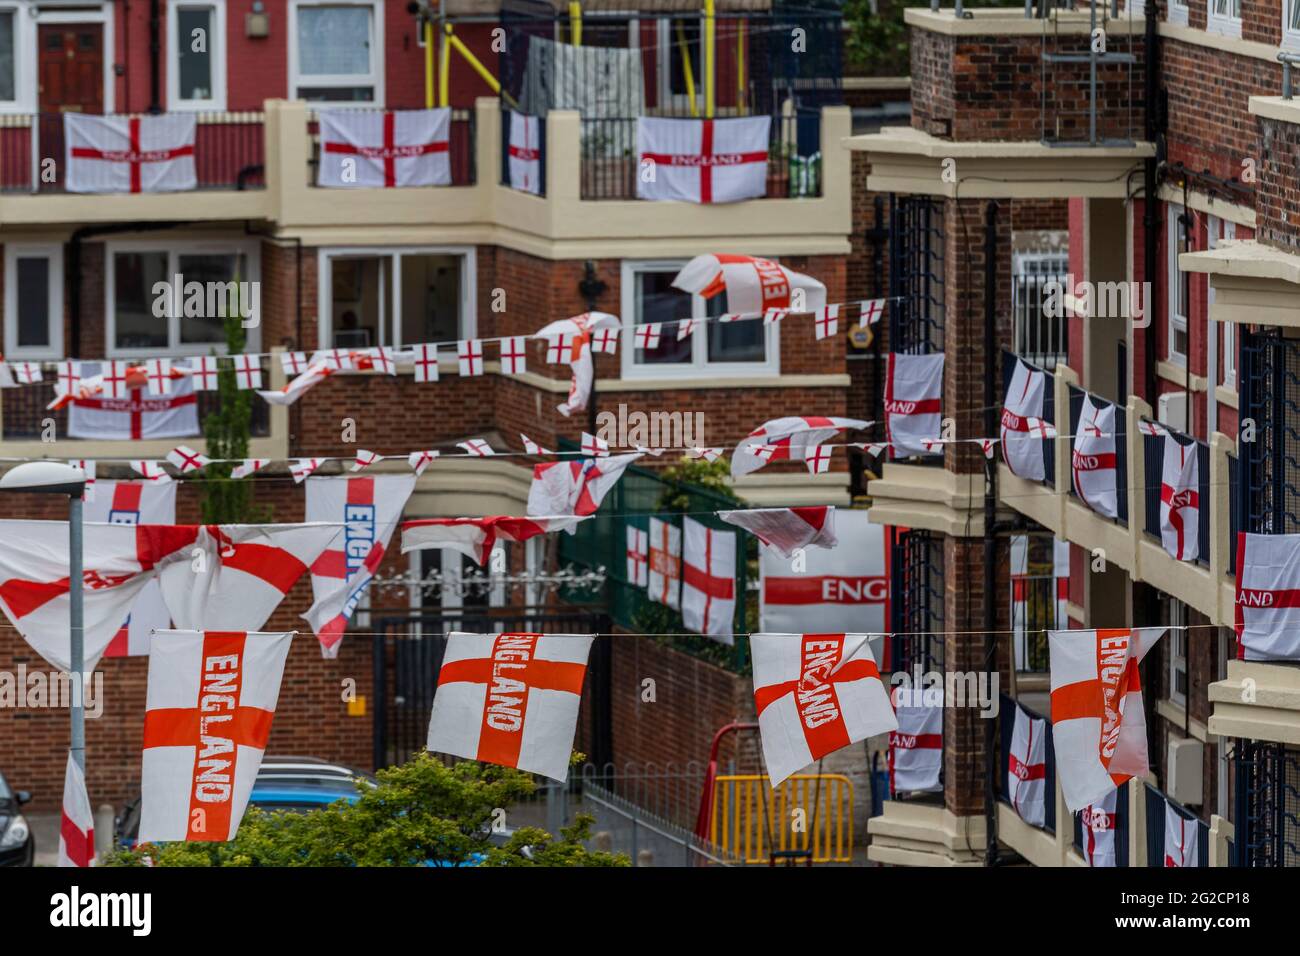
x=1228 y=358
x=699 y=366
x=1178 y=645
x=216 y=56
x=1223 y=24
x=25 y=54
x=375 y=79
x=1175 y=321
x=1176 y=12
x=392 y=337
x=51 y=13
x=667 y=40
x=54 y=253
x=175 y=248
x=1290 y=37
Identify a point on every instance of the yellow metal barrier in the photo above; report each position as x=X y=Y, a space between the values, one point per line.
x=750 y=820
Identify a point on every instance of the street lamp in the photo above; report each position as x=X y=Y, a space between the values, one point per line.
x=56 y=478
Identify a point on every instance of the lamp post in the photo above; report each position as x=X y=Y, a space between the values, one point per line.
x=56 y=478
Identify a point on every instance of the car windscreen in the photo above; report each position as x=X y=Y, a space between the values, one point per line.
x=5 y=792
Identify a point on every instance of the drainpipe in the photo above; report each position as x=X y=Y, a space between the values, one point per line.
x=155 y=56
x=990 y=515
x=1150 y=217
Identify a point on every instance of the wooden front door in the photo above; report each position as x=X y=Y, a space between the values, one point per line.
x=70 y=79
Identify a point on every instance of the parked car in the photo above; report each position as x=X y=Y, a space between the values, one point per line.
x=17 y=847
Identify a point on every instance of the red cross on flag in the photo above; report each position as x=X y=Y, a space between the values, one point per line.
x=28 y=372
x=363 y=149
x=525 y=153
x=150 y=470
x=1027 y=768
x=916 y=748
x=787 y=438
x=248 y=371
x=605 y=340
x=1061 y=574
x=293 y=363
x=774 y=316
x=638 y=546
x=1098 y=725
x=685 y=327
x=301 y=468
x=826 y=322
x=1097 y=823
x=158 y=373
x=420 y=460
x=426 y=362
x=913 y=403
x=1268 y=596
x=336 y=359
x=664 y=576
x=368 y=508
x=186 y=459
x=870 y=311
x=1019 y=573
x=815 y=694
x=1182 y=838
x=249 y=466
x=594 y=445
x=532 y=448
x=647 y=336
x=787 y=529
x=576 y=486
x=77 y=823
x=575 y=334
x=114 y=379
x=510 y=699
x=705 y=454
x=469 y=356
x=204 y=373
x=317 y=371
x=514 y=357
x=1180 y=499
x=848 y=585
x=69 y=380
x=753 y=285
x=476 y=448
x=134 y=413
x=119 y=154
x=364 y=459
x=1022 y=446
x=702 y=161
x=708 y=580
x=208 y=709
x=818 y=459
x=475 y=537
x=136 y=503
x=1093 y=462
x=381 y=360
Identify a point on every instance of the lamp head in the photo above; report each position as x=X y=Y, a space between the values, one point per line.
x=45 y=477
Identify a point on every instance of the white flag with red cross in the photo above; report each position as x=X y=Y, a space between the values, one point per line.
x=1022 y=444
x=914 y=404
x=664 y=571
x=702 y=160
x=847 y=585
x=77 y=822
x=1098 y=725
x=368 y=508
x=1027 y=768
x=1093 y=463
x=138 y=413
x=816 y=694
x=1019 y=574
x=136 y=503
x=1180 y=499
x=208 y=709
x=365 y=149
x=787 y=529
x=514 y=355
x=753 y=284
x=119 y=154
x=525 y=151
x=1268 y=596
x=791 y=438
x=316 y=372
x=916 y=747
x=1182 y=838
x=576 y=486
x=510 y=699
x=1061 y=572
x=638 y=556
x=475 y=537
x=708 y=580
x=1097 y=823
x=571 y=341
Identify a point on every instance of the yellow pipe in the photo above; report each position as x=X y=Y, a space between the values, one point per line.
x=740 y=67
x=428 y=65
x=575 y=22
x=479 y=68
x=688 y=74
x=710 y=38
x=444 y=67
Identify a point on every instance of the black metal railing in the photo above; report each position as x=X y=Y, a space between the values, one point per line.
x=1155 y=808
x=916 y=601
x=916 y=274
x=1267 y=818
x=1041 y=333
x=1269 y=465
x=1120 y=420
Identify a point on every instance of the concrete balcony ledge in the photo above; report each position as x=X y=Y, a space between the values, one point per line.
x=1011 y=21
x=904 y=159
x=1257 y=699
x=1275 y=108
x=929 y=497
x=924 y=834
x=1253 y=282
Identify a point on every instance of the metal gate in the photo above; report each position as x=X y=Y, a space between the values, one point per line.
x=916 y=274
x=1267 y=804
x=407 y=655
x=1269 y=465
x=916 y=600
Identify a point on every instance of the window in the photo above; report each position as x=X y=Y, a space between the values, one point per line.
x=17 y=58
x=461 y=585
x=1178 y=652
x=713 y=348
x=8 y=65
x=1177 y=297
x=1223 y=17
x=1040 y=335
x=396 y=297
x=1176 y=12
x=336 y=52
x=196 y=78
x=174 y=300
x=680 y=53
x=33 y=301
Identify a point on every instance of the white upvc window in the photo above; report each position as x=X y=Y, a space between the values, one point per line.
x=33 y=301
x=1176 y=12
x=1223 y=17
x=1177 y=288
x=17 y=59
x=1291 y=25
x=714 y=349
x=395 y=296
x=151 y=304
x=196 y=61
x=1178 y=652
x=336 y=51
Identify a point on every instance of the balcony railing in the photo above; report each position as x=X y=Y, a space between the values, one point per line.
x=228 y=152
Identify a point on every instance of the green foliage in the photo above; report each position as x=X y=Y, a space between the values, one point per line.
x=421 y=813
x=877 y=43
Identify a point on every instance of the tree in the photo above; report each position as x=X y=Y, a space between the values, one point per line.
x=877 y=42
x=422 y=813
x=227 y=429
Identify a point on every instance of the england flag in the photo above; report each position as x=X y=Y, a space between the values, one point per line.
x=1182 y=839
x=476 y=537
x=1094 y=463
x=1022 y=438
x=120 y=154
x=638 y=556
x=664 y=575
x=77 y=824
x=702 y=161
x=916 y=747
x=1097 y=824
x=138 y=414
x=1027 y=768
x=525 y=153
x=364 y=149
x=913 y=404
x=576 y=486
x=708 y=580
x=1268 y=596
x=1180 y=499
x=786 y=530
